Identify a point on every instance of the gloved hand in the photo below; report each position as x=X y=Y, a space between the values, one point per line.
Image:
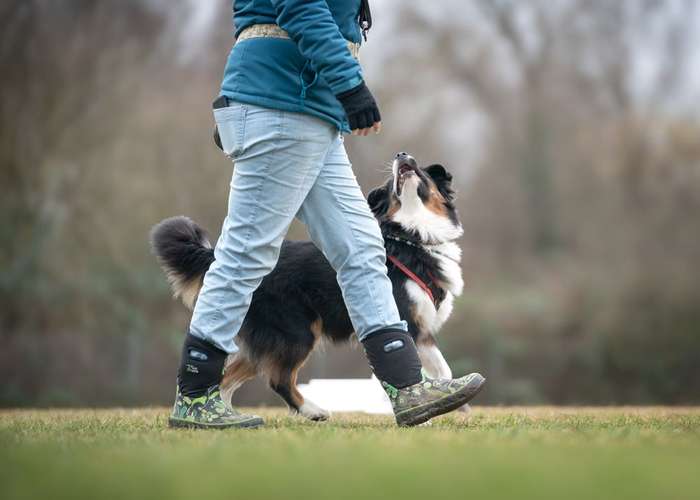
x=361 y=109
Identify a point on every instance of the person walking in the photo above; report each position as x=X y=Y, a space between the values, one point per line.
x=292 y=87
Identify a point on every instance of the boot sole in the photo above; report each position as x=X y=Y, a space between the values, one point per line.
x=188 y=424
x=421 y=414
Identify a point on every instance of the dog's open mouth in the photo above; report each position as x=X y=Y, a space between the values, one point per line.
x=404 y=171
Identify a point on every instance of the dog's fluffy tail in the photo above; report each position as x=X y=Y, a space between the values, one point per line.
x=184 y=253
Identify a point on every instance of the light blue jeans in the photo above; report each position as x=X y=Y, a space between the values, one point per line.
x=290 y=165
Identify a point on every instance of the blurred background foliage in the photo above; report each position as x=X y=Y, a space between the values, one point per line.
x=572 y=128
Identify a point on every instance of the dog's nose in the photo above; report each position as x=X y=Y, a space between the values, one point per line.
x=401 y=155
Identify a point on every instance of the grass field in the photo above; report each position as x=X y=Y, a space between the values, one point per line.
x=620 y=453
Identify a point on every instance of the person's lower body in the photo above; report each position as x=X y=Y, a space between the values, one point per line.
x=291 y=165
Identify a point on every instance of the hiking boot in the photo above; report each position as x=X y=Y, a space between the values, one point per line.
x=209 y=412
x=393 y=356
x=429 y=398
x=198 y=400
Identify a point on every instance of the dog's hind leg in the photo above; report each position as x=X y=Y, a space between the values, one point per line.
x=285 y=384
x=282 y=372
x=238 y=370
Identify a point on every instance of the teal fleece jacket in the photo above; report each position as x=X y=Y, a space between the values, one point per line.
x=304 y=73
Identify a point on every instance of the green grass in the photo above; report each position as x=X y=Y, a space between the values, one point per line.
x=519 y=453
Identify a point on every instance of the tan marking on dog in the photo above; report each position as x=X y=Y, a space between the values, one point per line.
x=189 y=293
x=436 y=203
x=296 y=395
x=237 y=372
x=307 y=408
x=317 y=329
x=278 y=376
x=186 y=291
x=394 y=207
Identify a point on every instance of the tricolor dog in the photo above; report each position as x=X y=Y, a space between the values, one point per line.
x=416 y=212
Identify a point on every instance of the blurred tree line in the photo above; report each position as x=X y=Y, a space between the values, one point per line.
x=572 y=129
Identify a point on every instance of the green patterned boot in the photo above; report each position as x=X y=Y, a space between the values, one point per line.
x=429 y=398
x=415 y=398
x=209 y=412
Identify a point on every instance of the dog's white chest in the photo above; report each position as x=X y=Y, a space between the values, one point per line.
x=426 y=315
x=430 y=317
x=448 y=256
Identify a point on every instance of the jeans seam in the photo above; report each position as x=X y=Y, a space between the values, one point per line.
x=241 y=132
x=300 y=199
x=253 y=213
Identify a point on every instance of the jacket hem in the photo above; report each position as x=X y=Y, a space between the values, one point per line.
x=267 y=102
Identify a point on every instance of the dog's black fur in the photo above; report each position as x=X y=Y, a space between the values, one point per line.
x=300 y=300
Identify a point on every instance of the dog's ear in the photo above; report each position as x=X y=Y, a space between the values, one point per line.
x=438 y=173
x=442 y=179
x=378 y=200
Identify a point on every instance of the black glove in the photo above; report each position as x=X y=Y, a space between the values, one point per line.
x=360 y=106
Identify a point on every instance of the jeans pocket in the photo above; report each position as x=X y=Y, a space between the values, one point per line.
x=231 y=124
